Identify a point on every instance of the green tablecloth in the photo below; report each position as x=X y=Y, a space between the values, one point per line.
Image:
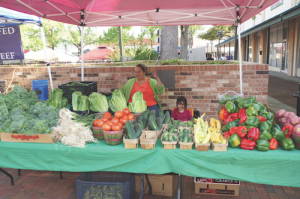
x=277 y=167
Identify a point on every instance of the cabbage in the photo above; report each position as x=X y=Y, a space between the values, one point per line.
x=84 y=103
x=75 y=100
x=118 y=101
x=138 y=105
x=98 y=102
x=56 y=99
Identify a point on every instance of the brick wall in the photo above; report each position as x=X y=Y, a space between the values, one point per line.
x=200 y=84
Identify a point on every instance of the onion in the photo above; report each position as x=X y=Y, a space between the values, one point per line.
x=286 y=115
x=280 y=113
x=283 y=120
x=291 y=114
x=294 y=120
x=296 y=129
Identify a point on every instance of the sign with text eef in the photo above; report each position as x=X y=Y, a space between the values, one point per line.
x=10 y=43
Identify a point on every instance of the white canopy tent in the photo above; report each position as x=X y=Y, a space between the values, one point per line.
x=52 y=55
x=143 y=12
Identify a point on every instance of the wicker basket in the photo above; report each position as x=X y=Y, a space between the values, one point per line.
x=113 y=137
x=98 y=133
x=169 y=145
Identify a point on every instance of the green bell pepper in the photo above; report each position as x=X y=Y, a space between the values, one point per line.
x=270 y=123
x=263 y=113
x=278 y=134
x=262 y=145
x=239 y=102
x=230 y=107
x=237 y=122
x=234 y=140
x=287 y=144
x=248 y=127
x=247 y=102
x=264 y=126
x=265 y=135
x=256 y=107
x=252 y=121
x=262 y=106
x=250 y=111
x=228 y=126
x=252 y=98
x=276 y=126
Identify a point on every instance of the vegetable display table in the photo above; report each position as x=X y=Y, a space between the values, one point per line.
x=277 y=167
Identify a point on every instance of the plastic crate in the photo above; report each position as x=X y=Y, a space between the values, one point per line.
x=85 y=90
x=41 y=88
x=113 y=185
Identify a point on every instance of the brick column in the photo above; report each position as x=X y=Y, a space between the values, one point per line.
x=263 y=42
x=243 y=48
x=291 y=44
x=254 y=47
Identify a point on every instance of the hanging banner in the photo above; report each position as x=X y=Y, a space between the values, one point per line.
x=10 y=43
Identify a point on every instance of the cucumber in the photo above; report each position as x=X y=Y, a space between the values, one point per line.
x=160 y=112
x=189 y=124
x=185 y=138
x=145 y=122
x=167 y=118
x=146 y=114
x=142 y=124
x=162 y=118
x=173 y=128
x=181 y=138
x=172 y=120
x=140 y=118
x=175 y=131
x=185 y=131
x=152 y=123
x=185 y=124
x=170 y=138
x=193 y=121
x=166 y=135
x=190 y=139
x=130 y=130
x=189 y=131
x=126 y=136
x=170 y=126
x=138 y=129
x=175 y=138
x=159 y=123
x=153 y=112
x=180 y=123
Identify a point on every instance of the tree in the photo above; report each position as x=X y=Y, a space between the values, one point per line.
x=212 y=33
x=192 y=31
x=169 y=42
x=111 y=36
x=74 y=37
x=150 y=32
x=184 y=41
x=31 y=37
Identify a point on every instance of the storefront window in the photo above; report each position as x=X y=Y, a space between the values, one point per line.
x=250 y=48
x=258 y=56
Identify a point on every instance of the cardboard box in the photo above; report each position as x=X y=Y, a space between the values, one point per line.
x=217 y=186
x=18 y=137
x=163 y=185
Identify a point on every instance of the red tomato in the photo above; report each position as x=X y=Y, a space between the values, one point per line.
x=119 y=114
x=106 y=127
x=104 y=119
x=115 y=120
x=108 y=114
x=125 y=116
x=120 y=124
x=98 y=123
x=109 y=123
x=123 y=120
x=108 y=117
x=130 y=116
x=126 y=111
x=116 y=127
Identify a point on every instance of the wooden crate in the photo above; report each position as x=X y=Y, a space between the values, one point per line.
x=157 y=133
x=220 y=147
x=131 y=143
x=165 y=127
x=169 y=145
x=18 y=137
x=187 y=145
x=148 y=141
x=181 y=127
x=202 y=147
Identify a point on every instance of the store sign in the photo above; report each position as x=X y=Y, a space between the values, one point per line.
x=275 y=5
x=11 y=44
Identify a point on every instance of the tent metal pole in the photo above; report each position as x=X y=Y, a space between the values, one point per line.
x=82 y=59
x=240 y=59
x=46 y=56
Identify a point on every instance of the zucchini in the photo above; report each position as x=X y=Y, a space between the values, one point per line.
x=175 y=138
x=130 y=130
x=160 y=112
x=189 y=131
x=153 y=112
x=152 y=123
x=140 y=118
x=146 y=114
x=185 y=138
x=181 y=138
x=185 y=131
x=138 y=129
x=167 y=118
x=173 y=121
x=159 y=123
x=126 y=136
x=173 y=128
x=170 y=126
x=170 y=138
x=142 y=124
x=190 y=139
x=145 y=122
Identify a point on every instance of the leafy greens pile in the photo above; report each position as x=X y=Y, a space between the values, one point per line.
x=138 y=104
x=56 y=99
x=98 y=102
x=118 y=101
x=80 y=102
x=20 y=112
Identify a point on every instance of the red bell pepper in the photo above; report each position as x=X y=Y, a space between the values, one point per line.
x=242 y=112
x=234 y=116
x=288 y=137
x=226 y=134
x=240 y=130
x=243 y=119
x=253 y=133
x=247 y=144
x=223 y=114
x=262 y=119
x=273 y=144
x=288 y=130
x=229 y=119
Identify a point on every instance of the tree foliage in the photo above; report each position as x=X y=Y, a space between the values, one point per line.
x=150 y=32
x=212 y=33
x=111 y=36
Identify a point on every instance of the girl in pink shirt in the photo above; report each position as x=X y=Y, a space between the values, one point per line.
x=181 y=113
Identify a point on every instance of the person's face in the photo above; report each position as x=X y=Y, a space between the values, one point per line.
x=180 y=106
x=139 y=74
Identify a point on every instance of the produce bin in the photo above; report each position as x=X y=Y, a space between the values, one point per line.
x=148 y=141
x=113 y=137
x=131 y=143
x=85 y=90
x=113 y=185
x=98 y=132
x=41 y=88
x=187 y=145
x=169 y=145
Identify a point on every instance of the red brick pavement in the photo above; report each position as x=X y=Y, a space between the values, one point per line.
x=47 y=185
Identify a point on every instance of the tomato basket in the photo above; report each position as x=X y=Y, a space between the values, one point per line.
x=98 y=132
x=113 y=137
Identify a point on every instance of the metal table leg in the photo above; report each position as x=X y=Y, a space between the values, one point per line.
x=60 y=174
x=19 y=172
x=11 y=178
x=142 y=186
x=179 y=186
x=148 y=183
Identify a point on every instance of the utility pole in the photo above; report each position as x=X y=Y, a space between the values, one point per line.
x=120 y=43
